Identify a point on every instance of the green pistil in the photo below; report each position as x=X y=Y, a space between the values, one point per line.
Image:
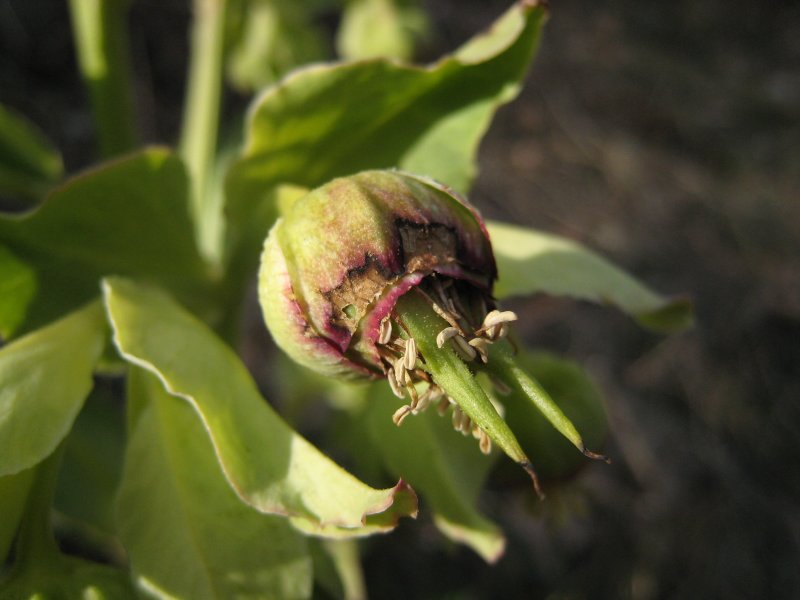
x=504 y=367
x=450 y=373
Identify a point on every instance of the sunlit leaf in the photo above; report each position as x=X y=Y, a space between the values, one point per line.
x=45 y=377
x=17 y=287
x=29 y=164
x=125 y=217
x=269 y=465
x=187 y=533
x=531 y=261
x=269 y=38
x=445 y=467
x=375 y=28
x=423 y=119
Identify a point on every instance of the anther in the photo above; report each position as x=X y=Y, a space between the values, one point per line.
x=385 y=333
x=396 y=389
x=482 y=346
x=400 y=414
x=464 y=350
x=411 y=354
x=445 y=334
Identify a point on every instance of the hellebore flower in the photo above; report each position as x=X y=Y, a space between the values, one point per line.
x=386 y=274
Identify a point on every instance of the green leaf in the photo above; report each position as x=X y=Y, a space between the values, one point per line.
x=422 y=119
x=187 y=533
x=29 y=164
x=17 y=287
x=445 y=467
x=45 y=377
x=269 y=465
x=375 y=28
x=576 y=395
x=92 y=462
x=126 y=217
x=531 y=261
x=67 y=577
x=269 y=38
x=13 y=495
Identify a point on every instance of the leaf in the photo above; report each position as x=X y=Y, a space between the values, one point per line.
x=29 y=164
x=126 y=217
x=187 y=533
x=576 y=395
x=13 y=496
x=445 y=467
x=269 y=465
x=375 y=28
x=270 y=38
x=92 y=462
x=422 y=119
x=67 y=577
x=531 y=261
x=17 y=287
x=45 y=377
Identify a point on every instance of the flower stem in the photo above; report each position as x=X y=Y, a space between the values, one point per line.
x=101 y=41
x=201 y=111
x=36 y=544
x=454 y=377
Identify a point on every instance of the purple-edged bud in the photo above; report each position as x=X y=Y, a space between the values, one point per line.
x=334 y=266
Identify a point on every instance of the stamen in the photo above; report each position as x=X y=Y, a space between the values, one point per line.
x=496 y=317
x=482 y=346
x=412 y=391
x=411 y=354
x=400 y=414
x=464 y=350
x=445 y=334
x=439 y=310
x=485 y=443
x=385 y=333
x=444 y=403
x=400 y=371
x=396 y=389
x=499 y=385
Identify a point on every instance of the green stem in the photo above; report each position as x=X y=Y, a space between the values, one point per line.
x=201 y=112
x=454 y=377
x=503 y=365
x=101 y=40
x=36 y=544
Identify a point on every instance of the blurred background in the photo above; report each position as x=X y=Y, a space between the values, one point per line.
x=667 y=137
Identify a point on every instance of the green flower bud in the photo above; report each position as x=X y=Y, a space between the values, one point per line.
x=389 y=275
x=334 y=266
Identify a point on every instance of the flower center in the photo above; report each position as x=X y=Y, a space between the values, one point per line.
x=473 y=325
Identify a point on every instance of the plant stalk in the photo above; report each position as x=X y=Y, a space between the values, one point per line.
x=201 y=111
x=101 y=40
x=36 y=543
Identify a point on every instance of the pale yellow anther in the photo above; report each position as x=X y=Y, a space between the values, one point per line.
x=400 y=414
x=397 y=390
x=465 y=351
x=445 y=334
x=411 y=354
x=482 y=346
x=385 y=333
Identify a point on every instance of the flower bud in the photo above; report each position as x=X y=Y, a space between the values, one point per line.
x=334 y=266
x=388 y=274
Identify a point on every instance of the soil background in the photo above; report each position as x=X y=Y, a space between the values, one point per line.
x=665 y=135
